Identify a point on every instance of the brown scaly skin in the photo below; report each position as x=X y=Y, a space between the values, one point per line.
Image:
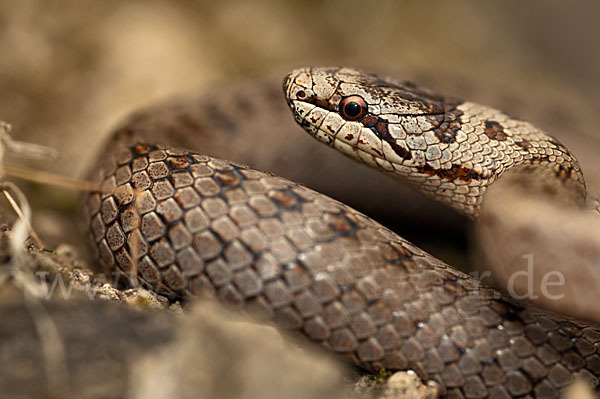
x=187 y=224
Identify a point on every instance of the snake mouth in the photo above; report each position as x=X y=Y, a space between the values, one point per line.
x=297 y=88
x=288 y=80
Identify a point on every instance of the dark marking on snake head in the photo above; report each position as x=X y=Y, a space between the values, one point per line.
x=376 y=151
x=306 y=124
x=452 y=123
x=349 y=136
x=370 y=120
x=494 y=131
x=321 y=103
x=456 y=172
x=331 y=129
x=381 y=130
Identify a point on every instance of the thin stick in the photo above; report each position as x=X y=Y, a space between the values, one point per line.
x=53 y=179
x=36 y=239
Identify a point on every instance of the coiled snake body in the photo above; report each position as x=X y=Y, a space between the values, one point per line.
x=188 y=224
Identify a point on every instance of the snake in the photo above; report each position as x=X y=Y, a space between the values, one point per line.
x=187 y=225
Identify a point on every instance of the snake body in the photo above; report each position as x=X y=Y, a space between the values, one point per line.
x=187 y=224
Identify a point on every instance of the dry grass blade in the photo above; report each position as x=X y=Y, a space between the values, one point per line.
x=23 y=149
x=52 y=345
x=52 y=179
x=5 y=190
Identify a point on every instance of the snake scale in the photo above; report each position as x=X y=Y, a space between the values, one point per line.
x=186 y=224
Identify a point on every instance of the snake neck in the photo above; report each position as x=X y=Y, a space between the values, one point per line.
x=450 y=150
x=553 y=183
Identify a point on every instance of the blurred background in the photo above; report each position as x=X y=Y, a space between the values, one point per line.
x=70 y=70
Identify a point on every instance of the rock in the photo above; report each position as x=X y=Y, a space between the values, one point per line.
x=220 y=354
x=406 y=384
x=75 y=348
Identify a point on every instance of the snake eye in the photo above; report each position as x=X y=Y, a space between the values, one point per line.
x=353 y=108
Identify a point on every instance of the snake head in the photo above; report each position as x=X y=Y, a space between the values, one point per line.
x=376 y=121
x=329 y=102
x=448 y=149
x=389 y=125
